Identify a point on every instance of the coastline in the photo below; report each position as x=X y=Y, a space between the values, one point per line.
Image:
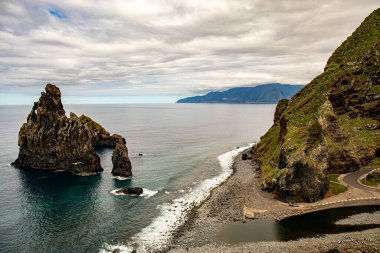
x=225 y=205
x=156 y=237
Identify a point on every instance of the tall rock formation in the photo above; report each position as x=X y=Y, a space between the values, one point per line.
x=331 y=126
x=121 y=164
x=101 y=138
x=51 y=141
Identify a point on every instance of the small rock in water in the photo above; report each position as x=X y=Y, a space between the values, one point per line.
x=131 y=191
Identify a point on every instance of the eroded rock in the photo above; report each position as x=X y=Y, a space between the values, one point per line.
x=330 y=126
x=121 y=164
x=51 y=141
x=130 y=191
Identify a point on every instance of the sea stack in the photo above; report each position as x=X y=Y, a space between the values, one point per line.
x=121 y=164
x=51 y=141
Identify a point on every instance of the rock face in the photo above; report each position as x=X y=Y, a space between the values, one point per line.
x=51 y=141
x=131 y=191
x=331 y=126
x=121 y=164
x=100 y=136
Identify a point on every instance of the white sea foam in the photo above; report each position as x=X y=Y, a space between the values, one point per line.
x=146 y=193
x=114 y=192
x=159 y=233
x=121 y=178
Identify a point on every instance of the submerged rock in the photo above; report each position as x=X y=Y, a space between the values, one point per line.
x=51 y=141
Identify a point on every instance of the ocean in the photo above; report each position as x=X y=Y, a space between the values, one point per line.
x=187 y=150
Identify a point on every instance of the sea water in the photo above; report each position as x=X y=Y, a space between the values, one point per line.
x=187 y=150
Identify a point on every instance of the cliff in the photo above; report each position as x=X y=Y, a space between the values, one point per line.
x=51 y=141
x=261 y=94
x=330 y=126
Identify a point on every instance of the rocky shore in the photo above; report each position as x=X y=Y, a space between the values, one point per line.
x=225 y=205
x=366 y=241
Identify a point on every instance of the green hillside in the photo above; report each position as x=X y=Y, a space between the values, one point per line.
x=331 y=126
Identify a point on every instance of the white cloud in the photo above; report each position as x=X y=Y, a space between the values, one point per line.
x=168 y=47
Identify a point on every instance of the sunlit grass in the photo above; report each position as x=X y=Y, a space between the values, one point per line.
x=334 y=184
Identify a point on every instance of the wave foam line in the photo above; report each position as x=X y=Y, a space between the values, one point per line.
x=121 y=178
x=159 y=233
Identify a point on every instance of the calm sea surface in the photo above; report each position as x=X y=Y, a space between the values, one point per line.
x=181 y=144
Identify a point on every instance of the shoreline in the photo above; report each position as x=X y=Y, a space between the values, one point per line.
x=175 y=213
x=225 y=205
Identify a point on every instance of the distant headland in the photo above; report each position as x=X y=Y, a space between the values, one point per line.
x=261 y=94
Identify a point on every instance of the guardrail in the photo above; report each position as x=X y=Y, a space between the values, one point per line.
x=342 y=201
x=364 y=176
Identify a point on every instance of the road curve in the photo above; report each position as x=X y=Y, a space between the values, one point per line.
x=352 y=180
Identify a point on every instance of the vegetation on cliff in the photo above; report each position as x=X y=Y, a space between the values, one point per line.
x=331 y=126
x=92 y=125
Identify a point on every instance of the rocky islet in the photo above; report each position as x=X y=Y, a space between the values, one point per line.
x=51 y=141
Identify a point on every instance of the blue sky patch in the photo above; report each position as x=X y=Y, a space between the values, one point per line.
x=58 y=13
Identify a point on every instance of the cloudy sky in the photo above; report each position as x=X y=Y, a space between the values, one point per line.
x=158 y=51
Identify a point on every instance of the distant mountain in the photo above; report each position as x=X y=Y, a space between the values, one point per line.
x=261 y=94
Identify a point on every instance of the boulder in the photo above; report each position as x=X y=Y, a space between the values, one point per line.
x=130 y=191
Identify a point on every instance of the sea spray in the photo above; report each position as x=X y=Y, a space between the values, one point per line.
x=159 y=233
x=146 y=193
x=121 y=178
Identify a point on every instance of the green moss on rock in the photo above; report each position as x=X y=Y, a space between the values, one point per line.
x=332 y=125
x=93 y=126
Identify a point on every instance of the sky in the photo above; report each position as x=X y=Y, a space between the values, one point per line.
x=157 y=51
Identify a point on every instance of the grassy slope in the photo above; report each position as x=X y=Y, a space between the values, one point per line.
x=304 y=108
x=92 y=125
x=335 y=186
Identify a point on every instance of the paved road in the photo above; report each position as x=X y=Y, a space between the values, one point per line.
x=351 y=180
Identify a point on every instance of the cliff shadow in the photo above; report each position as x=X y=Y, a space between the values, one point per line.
x=55 y=202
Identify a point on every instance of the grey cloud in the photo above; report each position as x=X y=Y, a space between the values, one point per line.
x=169 y=47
